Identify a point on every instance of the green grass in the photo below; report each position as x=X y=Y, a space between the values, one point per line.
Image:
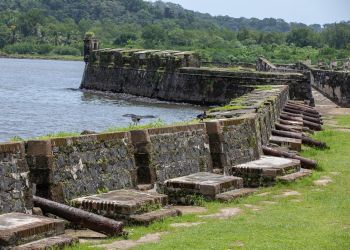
x=320 y=220
x=343 y=120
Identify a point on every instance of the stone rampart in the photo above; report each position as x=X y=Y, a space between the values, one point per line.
x=15 y=185
x=178 y=77
x=333 y=84
x=66 y=168
x=180 y=151
x=62 y=169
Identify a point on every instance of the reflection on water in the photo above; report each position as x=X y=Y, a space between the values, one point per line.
x=39 y=97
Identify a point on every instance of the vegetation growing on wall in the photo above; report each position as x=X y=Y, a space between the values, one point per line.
x=58 y=27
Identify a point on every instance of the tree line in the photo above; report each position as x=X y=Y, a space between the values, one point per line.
x=58 y=27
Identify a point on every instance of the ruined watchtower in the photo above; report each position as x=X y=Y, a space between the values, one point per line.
x=90 y=44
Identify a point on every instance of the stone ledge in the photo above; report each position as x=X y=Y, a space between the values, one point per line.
x=12 y=147
x=176 y=129
x=202 y=183
x=263 y=172
x=235 y=194
x=120 y=204
x=56 y=242
x=17 y=228
x=150 y=217
x=291 y=143
x=295 y=176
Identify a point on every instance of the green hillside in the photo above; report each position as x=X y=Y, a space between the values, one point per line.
x=56 y=27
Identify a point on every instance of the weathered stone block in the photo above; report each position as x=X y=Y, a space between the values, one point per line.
x=203 y=184
x=17 y=228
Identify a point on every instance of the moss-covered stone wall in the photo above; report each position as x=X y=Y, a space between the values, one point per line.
x=176 y=76
x=15 y=185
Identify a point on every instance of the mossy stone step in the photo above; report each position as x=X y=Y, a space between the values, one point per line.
x=18 y=228
x=56 y=242
x=295 y=176
x=235 y=194
x=264 y=172
x=148 y=218
x=186 y=189
x=121 y=204
x=291 y=143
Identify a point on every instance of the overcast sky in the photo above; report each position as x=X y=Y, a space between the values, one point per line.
x=305 y=11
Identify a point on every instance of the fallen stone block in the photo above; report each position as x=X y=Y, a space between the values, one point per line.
x=18 y=228
x=295 y=176
x=186 y=189
x=56 y=242
x=148 y=218
x=121 y=204
x=235 y=194
x=264 y=172
x=291 y=143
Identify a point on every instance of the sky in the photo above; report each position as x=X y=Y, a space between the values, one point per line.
x=305 y=11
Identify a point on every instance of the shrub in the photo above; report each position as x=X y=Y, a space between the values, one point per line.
x=66 y=50
x=21 y=48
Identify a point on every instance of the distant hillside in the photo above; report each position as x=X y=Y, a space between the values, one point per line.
x=58 y=26
x=144 y=12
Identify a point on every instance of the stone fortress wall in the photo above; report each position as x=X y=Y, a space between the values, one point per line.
x=333 y=84
x=62 y=169
x=178 y=76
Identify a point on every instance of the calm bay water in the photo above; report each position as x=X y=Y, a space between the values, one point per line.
x=40 y=97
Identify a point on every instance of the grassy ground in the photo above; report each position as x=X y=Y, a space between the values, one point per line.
x=318 y=218
x=343 y=120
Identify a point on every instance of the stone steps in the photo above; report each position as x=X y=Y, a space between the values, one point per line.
x=290 y=143
x=188 y=189
x=17 y=229
x=55 y=242
x=295 y=176
x=148 y=218
x=264 y=172
x=235 y=194
x=128 y=205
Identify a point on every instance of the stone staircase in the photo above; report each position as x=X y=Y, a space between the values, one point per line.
x=188 y=189
x=23 y=231
x=268 y=170
x=130 y=205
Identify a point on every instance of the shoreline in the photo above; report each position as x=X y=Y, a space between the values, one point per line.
x=41 y=57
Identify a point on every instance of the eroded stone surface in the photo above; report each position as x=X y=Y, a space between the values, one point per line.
x=263 y=172
x=268 y=202
x=324 y=181
x=224 y=213
x=202 y=183
x=17 y=228
x=56 y=242
x=121 y=203
x=150 y=217
x=186 y=224
x=289 y=193
x=190 y=209
x=252 y=207
x=295 y=176
x=235 y=194
x=127 y=244
x=85 y=234
x=291 y=143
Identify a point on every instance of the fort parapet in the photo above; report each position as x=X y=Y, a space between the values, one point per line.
x=179 y=77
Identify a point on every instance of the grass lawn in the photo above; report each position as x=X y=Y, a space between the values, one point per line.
x=317 y=218
x=343 y=120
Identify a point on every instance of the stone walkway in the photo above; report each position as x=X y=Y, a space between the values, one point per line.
x=329 y=110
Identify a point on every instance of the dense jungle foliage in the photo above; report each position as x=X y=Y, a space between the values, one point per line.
x=57 y=27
